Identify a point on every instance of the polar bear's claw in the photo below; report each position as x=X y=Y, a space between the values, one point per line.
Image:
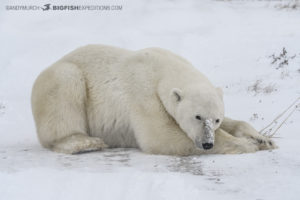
x=263 y=143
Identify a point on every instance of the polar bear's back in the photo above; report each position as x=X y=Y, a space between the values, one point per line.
x=95 y=54
x=110 y=54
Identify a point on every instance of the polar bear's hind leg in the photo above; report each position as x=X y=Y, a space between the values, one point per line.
x=58 y=105
x=78 y=143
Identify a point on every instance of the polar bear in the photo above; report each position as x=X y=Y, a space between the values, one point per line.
x=100 y=97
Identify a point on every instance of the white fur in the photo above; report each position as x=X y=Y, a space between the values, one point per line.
x=100 y=96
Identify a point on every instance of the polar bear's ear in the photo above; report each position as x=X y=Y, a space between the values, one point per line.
x=177 y=94
x=220 y=92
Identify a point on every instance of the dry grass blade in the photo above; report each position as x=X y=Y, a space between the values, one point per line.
x=267 y=131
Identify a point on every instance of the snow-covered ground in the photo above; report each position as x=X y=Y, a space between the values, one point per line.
x=232 y=42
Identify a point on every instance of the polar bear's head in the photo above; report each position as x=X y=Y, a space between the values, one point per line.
x=198 y=112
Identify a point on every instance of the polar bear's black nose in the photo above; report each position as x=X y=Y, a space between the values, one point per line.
x=207 y=145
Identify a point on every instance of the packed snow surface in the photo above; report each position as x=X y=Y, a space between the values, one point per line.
x=249 y=48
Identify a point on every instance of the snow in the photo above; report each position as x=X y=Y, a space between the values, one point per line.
x=229 y=41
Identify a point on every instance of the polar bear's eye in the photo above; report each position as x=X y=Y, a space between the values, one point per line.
x=217 y=120
x=198 y=117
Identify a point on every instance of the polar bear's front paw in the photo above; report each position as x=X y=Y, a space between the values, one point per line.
x=245 y=130
x=227 y=144
x=263 y=143
x=242 y=146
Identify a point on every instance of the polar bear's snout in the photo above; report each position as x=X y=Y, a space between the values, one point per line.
x=208 y=137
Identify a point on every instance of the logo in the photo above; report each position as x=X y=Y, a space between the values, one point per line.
x=46 y=7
